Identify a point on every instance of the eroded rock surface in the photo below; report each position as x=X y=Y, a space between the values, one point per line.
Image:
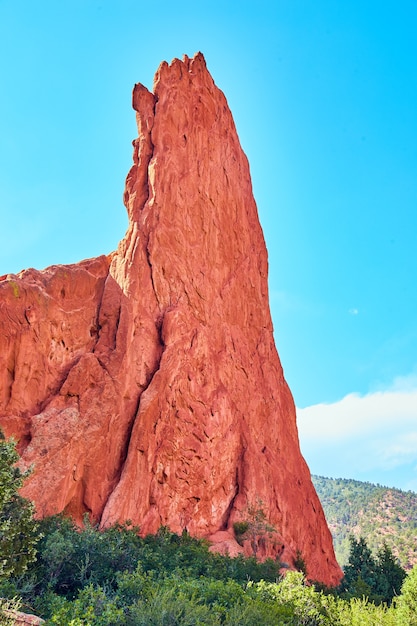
x=146 y=385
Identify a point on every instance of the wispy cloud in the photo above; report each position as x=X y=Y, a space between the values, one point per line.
x=360 y=436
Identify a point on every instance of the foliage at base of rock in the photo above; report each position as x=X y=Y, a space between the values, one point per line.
x=18 y=530
x=254 y=527
x=115 y=577
x=7 y=609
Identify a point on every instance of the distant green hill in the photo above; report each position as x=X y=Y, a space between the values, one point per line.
x=376 y=513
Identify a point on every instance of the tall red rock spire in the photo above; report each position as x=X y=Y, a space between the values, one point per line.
x=146 y=385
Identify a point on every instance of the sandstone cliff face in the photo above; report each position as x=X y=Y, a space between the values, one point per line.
x=146 y=385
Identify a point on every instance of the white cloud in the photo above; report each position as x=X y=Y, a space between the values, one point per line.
x=400 y=449
x=361 y=435
x=405 y=383
x=356 y=415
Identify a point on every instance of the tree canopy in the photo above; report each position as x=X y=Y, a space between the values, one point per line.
x=378 y=578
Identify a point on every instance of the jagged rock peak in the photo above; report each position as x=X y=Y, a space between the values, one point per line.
x=146 y=385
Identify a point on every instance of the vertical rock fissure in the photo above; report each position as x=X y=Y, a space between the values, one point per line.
x=135 y=415
x=228 y=512
x=124 y=453
x=149 y=156
x=149 y=262
x=11 y=373
x=138 y=181
x=96 y=328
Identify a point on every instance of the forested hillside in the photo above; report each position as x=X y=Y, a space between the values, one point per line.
x=377 y=513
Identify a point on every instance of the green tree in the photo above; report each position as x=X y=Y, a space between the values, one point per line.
x=377 y=578
x=361 y=571
x=407 y=602
x=18 y=530
x=306 y=605
x=390 y=575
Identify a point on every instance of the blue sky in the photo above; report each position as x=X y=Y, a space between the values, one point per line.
x=324 y=96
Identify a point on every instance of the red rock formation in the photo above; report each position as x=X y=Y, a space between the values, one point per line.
x=22 y=619
x=146 y=385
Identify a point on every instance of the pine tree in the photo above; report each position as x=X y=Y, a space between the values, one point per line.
x=361 y=571
x=390 y=575
x=378 y=579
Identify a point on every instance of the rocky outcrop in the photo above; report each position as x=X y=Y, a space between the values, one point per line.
x=146 y=385
x=22 y=619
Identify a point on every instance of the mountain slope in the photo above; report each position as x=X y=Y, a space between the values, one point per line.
x=374 y=512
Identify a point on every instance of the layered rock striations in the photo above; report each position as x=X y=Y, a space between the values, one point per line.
x=146 y=385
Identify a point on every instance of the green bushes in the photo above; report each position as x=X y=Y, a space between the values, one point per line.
x=407 y=602
x=18 y=531
x=148 y=599
x=254 y=527
x=240 y=530
x=125 y=567
x=7 y=609
x=116 y=578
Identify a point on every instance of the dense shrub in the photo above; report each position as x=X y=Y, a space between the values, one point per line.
x=407 y=601
x=115 y=577
x=18 y=530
